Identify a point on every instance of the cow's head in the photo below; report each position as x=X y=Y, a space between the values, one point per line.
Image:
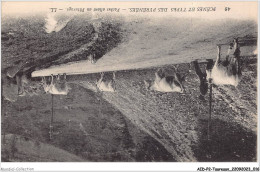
x=178 y=81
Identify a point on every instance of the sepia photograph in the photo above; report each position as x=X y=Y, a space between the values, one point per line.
x=129 y=81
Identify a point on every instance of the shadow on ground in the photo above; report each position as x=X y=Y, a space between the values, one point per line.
x=228 y=142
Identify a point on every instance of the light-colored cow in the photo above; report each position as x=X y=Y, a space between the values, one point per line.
x=57 y=87
x=163 y=83
x=227 y=71
x=106 y=86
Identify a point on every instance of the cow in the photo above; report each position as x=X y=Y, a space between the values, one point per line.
x=46 y=84
x=14 y=87
x=163 y=83
x=92 y=58
x=57 y=87
x=227 y=71
x=106 y=86
x=21 y=81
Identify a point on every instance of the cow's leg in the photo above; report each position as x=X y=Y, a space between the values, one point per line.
x=114 y=76
x=19 y=84
x=152 y=86
x=113 y=84
x=176 y=67
x=237 y=66
x=100 y=80
x=236 y=48
x=64 y=76
x=235 y=42
x=229 y=49
x=147 y=85
x=102 y=75
x=43 y=79
x=210 y=64
x=58 y=77
x=157 y=77
x=198 y=70
x=93 y=59
x=44 y=82
x=218 y=55
x=90 y=58
x=51 y=79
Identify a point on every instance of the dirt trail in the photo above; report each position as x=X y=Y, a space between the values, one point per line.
x=147 y=43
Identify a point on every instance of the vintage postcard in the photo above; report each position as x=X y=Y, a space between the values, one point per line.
x=129 y=82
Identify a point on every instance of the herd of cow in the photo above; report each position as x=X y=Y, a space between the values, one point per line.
x=225 y=71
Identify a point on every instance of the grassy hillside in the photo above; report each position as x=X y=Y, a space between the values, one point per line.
x=84 y=125
x=22 y=149
x=26 y=40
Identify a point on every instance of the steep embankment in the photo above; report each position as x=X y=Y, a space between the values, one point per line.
x=179 y=121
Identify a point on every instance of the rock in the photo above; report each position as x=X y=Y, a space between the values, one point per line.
x=10 y=92
x=13 y=70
